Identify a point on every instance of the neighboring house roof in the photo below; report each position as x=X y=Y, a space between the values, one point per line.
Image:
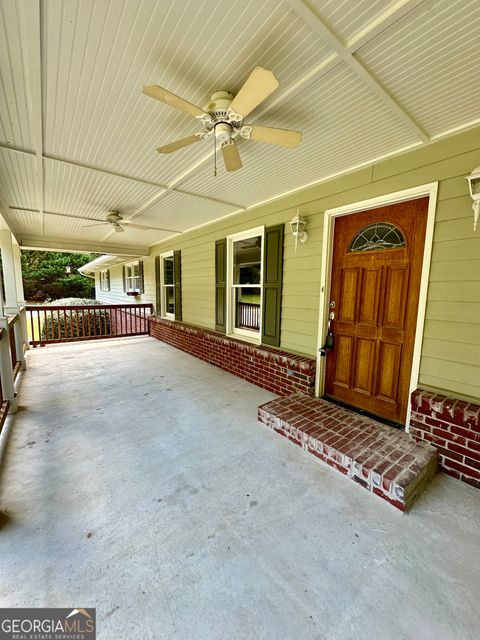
x=104 y=262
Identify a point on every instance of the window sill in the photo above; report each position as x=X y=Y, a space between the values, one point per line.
x=244 y=338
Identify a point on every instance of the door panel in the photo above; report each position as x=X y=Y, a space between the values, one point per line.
x=364 y=366
x=348 y=297
x=376 y=270
x=389 y=356
x=343 y=359
x=394 y=304
x=369 y=293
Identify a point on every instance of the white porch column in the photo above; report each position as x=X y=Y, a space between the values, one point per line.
x=6 y=369
x=17 y=260
x=9 y=277
x=11 y=307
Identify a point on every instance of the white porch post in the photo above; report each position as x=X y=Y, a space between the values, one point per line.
x=11 y=307
x=9 y=277
x=20 y=294
x=6 y=369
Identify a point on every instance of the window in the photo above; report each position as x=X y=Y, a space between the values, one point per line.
x=133 y=277
x=168 y=285
x=244 y=280
x=249 y=271
x=168 y=277
x=105 y=280
x=379 y=235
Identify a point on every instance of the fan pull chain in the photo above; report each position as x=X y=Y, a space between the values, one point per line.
x=214 y=154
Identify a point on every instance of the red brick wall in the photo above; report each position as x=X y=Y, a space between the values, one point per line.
x=453 y=427
x=277 y=371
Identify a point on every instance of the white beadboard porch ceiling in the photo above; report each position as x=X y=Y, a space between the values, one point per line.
x=362 y=79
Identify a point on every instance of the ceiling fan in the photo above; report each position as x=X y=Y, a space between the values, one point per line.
x=223 y=117
x=115 y=220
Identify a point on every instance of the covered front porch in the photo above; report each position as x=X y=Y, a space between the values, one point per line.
x=136 y=478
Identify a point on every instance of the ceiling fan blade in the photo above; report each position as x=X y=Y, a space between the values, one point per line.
x=118 y=227
x=179 y=144
x=134 y=225
x=159 y=93
x=231 y=157
x=89 y=226
x=259 y=85
x=144 y=227
x=283 y=137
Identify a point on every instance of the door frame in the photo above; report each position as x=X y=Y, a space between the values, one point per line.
x=430 y=190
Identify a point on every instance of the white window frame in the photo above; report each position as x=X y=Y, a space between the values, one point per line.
x=130 y=279
x=163 y=298
x=245 y=334
x=104 y=280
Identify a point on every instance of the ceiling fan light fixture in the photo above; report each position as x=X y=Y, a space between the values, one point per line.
x=223 y=132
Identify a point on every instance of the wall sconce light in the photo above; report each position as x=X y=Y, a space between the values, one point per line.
x=68 y=270
x=298 y=226
x=474 y=184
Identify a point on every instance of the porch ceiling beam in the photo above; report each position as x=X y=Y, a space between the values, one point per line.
x=82 y=246
x=71 y=215
x=31 y=26
x=116 y=174
x=313 y=19
x=382 y=22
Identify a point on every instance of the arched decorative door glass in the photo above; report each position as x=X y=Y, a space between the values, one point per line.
x=379 y=235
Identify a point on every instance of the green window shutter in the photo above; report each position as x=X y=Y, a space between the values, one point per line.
x=124 y=276
x=142 y=281
x=272 y=285
x=158 y=287
x=108 y=279
x=220 y=285
x=177 y=280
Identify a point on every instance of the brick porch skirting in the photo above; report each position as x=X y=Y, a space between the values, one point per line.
x=385 y=461
x=453 y=427
x=277 y=371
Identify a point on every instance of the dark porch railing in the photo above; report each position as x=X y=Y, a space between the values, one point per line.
x=248 y=315
x=4 y=404
x=16 y=364
x=50 y=324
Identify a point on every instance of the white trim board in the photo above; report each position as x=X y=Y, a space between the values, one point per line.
x=430 y=190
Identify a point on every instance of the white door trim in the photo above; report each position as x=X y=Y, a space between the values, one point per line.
x=429 y=190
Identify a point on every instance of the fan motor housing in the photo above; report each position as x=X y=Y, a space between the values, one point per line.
x=219 y=118
x=219 y=102
x=114 y=216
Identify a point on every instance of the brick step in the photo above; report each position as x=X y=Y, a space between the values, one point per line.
x=383 y=460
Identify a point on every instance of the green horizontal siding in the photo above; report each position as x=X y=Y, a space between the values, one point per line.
x=450 y=353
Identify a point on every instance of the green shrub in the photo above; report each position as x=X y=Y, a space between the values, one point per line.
x=71 y=324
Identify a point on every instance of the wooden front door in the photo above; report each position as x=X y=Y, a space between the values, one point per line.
x=376 y=270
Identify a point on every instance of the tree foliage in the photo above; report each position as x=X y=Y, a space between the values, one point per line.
x=45 y=275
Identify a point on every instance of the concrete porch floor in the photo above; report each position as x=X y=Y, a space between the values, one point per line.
x=137 y=480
